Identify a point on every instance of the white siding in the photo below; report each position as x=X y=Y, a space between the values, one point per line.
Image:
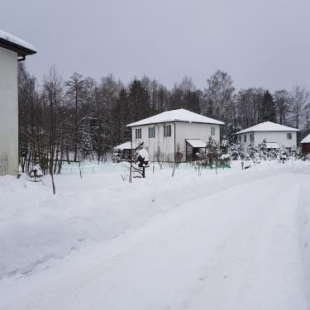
x=163 y=148
x=9 y=112
x=195 y=131
x=279 y=137
x=160 y=148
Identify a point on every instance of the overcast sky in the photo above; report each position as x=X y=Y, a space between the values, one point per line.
x=259 y=43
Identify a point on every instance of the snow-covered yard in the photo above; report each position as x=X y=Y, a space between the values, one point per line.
x=235 y=240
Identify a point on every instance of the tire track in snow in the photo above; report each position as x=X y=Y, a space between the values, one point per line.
x=265 y=272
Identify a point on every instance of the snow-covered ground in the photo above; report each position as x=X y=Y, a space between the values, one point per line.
x=232 y=240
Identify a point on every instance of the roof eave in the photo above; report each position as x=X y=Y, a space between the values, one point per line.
x=20 y=50
x=249 y=131
x=172 y=121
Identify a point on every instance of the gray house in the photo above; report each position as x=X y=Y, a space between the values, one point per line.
x=12 y=50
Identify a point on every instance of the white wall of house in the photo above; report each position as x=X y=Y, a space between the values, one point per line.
x=8 y=112
x=163 y=148
x=280 y=137
x=195 y=131
x=160 y=148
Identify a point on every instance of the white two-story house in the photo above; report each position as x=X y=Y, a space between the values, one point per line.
x=174 y=133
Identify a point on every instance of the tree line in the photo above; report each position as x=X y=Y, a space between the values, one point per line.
x=80 y=118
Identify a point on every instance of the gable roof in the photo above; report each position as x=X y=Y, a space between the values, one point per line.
x=12 y=43
x=180 y=115
x=267 y=126
x=306 y=139
x=127 y=146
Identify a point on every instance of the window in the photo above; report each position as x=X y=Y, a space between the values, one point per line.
x=289 y=136
x=252 y=137
x=244 y=138
x=239 y=138
x=167 y=131
x=138 y=133
x=212 y=131
x=151 y=132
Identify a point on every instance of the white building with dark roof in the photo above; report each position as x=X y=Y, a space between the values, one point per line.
x=275 y=135
x=12 y=50
x=174 y=132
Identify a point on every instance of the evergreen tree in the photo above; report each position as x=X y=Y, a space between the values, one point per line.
x=138 y=100
x=267 y=111
x=121 y=117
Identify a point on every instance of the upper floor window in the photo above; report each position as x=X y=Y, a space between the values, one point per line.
x=151 y=132
x=167 y=131
x=244 y=138
x=239 y=138
x=138 y=133
x=212 y=131
x=289 y=136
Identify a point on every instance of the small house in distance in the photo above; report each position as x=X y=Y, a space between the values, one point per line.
x=124 y=151
x=177 y=134
x=12 y=50
x=305 y=145
x=275 y=136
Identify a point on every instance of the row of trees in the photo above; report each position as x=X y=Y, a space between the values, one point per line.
x=81 y=117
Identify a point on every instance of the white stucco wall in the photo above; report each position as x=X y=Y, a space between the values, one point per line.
x=8 y=112
x=163 y=148
x=279 y=137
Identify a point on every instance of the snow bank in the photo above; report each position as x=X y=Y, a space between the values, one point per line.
x=303 y=223
x=38 y=228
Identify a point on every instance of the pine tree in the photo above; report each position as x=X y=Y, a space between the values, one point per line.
x=267 y=110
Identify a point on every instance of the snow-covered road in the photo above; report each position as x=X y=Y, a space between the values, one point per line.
x=244 y=247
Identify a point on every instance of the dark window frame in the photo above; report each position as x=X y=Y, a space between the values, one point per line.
x=167 y=130
x=212 y=131
x=138 y=133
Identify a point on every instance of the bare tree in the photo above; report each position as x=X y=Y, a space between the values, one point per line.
x=218 y=95
x=53 y=99
x=282 y=101
x=298 y=105
x=76 y=94
x=248 y=102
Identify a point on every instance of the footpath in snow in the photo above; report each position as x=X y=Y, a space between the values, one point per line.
x=236 y=240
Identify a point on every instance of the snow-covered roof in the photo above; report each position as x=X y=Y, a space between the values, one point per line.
x=272 y=145
x=306 y=139
x=267 y=126
x=13 y=43
x=180 y=115
x=127 y=146
x=196 y=143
